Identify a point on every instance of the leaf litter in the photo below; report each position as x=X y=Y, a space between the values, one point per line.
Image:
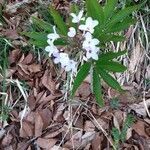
x=50 y=123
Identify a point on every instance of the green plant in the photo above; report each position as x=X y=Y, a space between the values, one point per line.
x=108 y=26
x=4 y=109
x=120 y=136
x=114 y=103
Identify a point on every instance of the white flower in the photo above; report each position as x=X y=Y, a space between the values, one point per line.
x=89 y=42
x=52 y=50
x=92 y=53
x=52 y=36
x=72 y=32
x=71 y=66
x=89 y=26
x=61 y=58
x=77 y=18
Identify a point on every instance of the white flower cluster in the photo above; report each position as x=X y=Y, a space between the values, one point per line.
x=89 y=44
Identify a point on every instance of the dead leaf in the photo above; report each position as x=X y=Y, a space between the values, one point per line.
x=87 y=137
x=14 y=56
x=22 y=145
x=11 y=34
x=28 y=59
x=7 y=140
x=139 y=127
x=89 y=126
x=31 y=101
x=46 y=116
x=38 y=124
x=48 y=82
x=46 y=143
x=27 y=129
x=96 y=142
x=134 y=60
x=84 y=90
x=34 y=68
x=140 y=108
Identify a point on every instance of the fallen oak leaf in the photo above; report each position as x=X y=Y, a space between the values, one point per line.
x=34 y=68
x=11 y=34
x=48 y=82
x=46 y=143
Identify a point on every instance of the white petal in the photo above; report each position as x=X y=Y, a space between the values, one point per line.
x=73 y=15
x=89 y=21
x=82 y=27
x=48 y=48
x=95 y=23
x=80 y=14
x=95 y=56
x=72 y=32
x=95 y=41
x=88 y=36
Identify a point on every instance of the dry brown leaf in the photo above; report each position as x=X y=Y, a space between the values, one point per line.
x=11 y=34
x=31 y=101
x=58 y=116
x=134 y=60
x=89 y=126
x=46 y=143
x=87 y=137
x=75 y=139
x=27 y=129
x=28 y=59
x=22 y=146
x=46 y=116
x=140 y=108
x=118 y=119
x=84 y=90
x=139 y=128
x=14 y=56
x=48 y=82
x=7 y=140
x=34 y=68
x=96 y=142
x=8 y=148
x=38 y=124
x=53 y=134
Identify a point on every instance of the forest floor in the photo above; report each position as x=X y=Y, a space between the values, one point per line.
x=34 y=114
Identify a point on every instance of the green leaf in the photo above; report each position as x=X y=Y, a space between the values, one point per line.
x=111 y=37
x=109 y=8
x=97 y=87
x=59 y=21
x=81 y=75
x=111 y=55
x=41 y=43
x=122 y=14
x=121 y=25
x=36 y=35
x=111 y=66
x=95 y=11
x=109 y=79
x=42 y=24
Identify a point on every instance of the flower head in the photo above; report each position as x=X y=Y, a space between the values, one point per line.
x=93 y=53
x=89 y=42
x=52 y=50
x=52 y=36
x=72 y=32
x=89 y=26
x=61 y=58
x=71 y=66
x=77 y=18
